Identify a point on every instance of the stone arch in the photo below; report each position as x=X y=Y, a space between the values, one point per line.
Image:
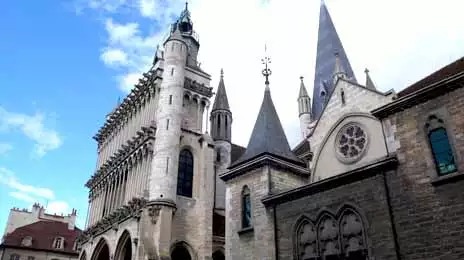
x=83 y=255
x=330 y=132
x=181 y=250
x=124 y=250
x=101 y=250
x=305 y=239
x=352 y=233
x=328 y=237
x=219 y=254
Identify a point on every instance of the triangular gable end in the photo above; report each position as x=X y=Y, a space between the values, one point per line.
x=355 y=98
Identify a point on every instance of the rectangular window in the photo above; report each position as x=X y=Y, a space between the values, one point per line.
x=170 y=99
x=30 y=258
x=14 y=257
x=167 y=124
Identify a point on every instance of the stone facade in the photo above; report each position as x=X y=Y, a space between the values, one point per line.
x=428 y=209
x=153 y=193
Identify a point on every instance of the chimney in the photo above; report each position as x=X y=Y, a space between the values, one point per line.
x=72 y=219
x=36 y=210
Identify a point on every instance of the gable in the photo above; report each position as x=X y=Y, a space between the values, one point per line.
x=358 y=99
x=354 y=140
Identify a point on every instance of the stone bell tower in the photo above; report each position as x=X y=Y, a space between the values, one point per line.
x=158 y=217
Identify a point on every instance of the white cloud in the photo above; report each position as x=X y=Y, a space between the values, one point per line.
x=148 y=8
x=32 y=194
x=22 y=196
x=5 y=148
x=34 y=128
x=8 y=178
x=398 y=49
x=114 y=57
x=58 y=207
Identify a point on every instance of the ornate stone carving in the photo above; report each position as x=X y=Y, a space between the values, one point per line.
x=351 y=143
x=133 y=146
x=307 y=241
x=352 y=232
x=328 y=236
x=133 y=209
x=153 y=212
x=341 y=235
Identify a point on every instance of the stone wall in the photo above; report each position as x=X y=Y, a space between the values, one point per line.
x=258 y=242
x=428 y=210
x=368 y=196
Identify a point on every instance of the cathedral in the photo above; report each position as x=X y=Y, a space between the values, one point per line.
x=375 y=176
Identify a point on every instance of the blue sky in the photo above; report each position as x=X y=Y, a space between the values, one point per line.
x=63 y=65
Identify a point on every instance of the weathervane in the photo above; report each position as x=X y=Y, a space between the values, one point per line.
x=266 y=71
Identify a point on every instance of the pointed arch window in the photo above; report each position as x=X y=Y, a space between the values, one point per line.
x=185 y=174
x=246 y=208
x=440 y=146
x=219 y=124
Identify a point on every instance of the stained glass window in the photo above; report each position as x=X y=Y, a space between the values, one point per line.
x=246 y=208
x=185 y=174
x=441 y=150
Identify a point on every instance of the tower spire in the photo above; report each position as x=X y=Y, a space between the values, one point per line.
x=325 y=60
x=268 y=136
x=369 y=83
x=221 y=116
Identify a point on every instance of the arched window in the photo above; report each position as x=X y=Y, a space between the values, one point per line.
x=218 y=124
x=342 y=94
x=185 y=174
x=246 y=208
x=440 y=145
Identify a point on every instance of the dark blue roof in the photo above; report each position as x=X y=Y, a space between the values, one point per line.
x=328 y=44
x=268 y=136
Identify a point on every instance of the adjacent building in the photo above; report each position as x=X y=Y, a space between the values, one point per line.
x=36 y=235
x=377 y=175
x=374 y=177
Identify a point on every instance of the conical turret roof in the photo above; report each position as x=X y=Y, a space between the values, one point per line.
x=268 y=136
x=303 y=92
x=369 y=83
x=221 y=102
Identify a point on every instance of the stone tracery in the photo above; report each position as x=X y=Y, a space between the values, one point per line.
x=342 y=236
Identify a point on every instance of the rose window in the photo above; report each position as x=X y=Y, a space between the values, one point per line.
x=351 y=143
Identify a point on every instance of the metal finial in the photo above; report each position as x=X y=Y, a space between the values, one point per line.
x=186 y=5
x=366 y=70
x=266 y=71
x=301 y=78
x=222 y=72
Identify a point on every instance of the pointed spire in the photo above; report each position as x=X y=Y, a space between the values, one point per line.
x=221 y=102
x=303 y=92
x=369 y=82
x=325 y=59
x=268 y=136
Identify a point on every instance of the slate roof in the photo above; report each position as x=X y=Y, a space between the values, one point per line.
x=43 y=234
x=268 y=136
x=236 y=152
x=303 y=92
x=449 y=70
x=221 y=101
x=328 y=43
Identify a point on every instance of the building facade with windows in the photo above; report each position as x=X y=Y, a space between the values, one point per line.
x=374 y=177
x=377 y=175
x=156 y=193
x=36 y=235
